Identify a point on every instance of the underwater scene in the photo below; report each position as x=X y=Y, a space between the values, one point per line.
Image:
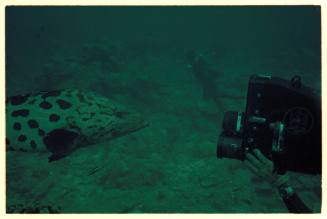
x=121 y=109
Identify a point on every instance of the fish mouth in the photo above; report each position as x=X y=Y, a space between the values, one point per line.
x=127 y=124
x=133 y=123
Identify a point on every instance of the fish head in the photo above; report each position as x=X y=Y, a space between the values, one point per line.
x=105 y=119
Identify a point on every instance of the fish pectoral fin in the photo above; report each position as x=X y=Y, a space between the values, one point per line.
x=60 y=142
x=54 y=157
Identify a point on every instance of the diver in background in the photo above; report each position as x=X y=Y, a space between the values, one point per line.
x=263 y=167
x=208 y=78
x=205 y=75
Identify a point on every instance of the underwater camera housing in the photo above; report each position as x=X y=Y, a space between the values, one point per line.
x=282 y=119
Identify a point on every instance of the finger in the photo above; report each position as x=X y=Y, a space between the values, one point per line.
x=251 y=167
x=260 y=156
x=253 y=160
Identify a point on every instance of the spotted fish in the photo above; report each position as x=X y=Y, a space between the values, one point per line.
x=61 y=121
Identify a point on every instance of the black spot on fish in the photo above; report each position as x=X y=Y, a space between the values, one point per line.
x=63 y=104
x=54 y=118
x=33 y=124
x=101 y=128
x=60 y=142
x=68 y=93
x=22 y=138
x=45 y=105
x=120 y=114
x=54 y=93
x=22 y=112
x=17 y=126
x=114 y=133
x=18 y=100
x=100 y=105
x=22 y=150
x=31 y=102
x=33 y=144
x=41 y=132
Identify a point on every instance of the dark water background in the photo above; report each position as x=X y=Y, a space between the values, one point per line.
x=175 y=156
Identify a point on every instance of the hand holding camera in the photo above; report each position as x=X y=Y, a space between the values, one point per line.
x=283 y=119
x=280 y=130
x=263 y=167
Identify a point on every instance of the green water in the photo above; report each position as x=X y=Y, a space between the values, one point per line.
x=138 y=57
